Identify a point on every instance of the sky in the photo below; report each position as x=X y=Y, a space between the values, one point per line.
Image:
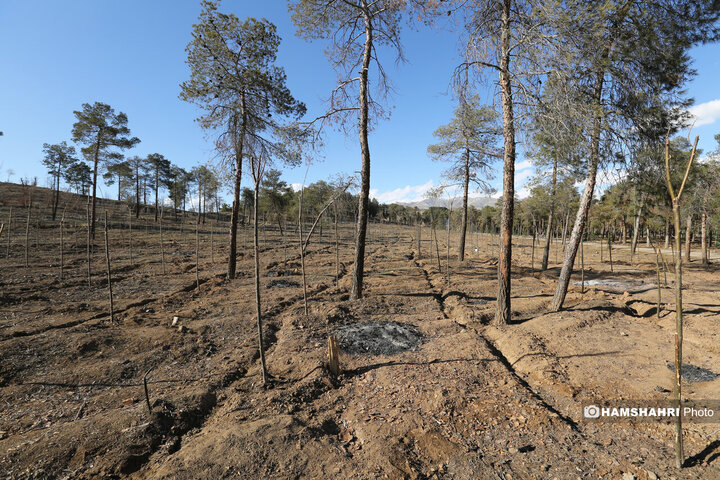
x=131 y=55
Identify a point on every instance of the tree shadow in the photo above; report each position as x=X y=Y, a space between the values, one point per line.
x=705 y=456
x=578 y=355
x=366 y=368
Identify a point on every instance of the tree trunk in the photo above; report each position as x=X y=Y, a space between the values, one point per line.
x=667 y=232
x=56 y=198
x=585 y=200
x=96 y=159
x=463 y=226
x=232 y=258
x=548 y=233
x=679 y=454
x=502 y=316
x=357 y=279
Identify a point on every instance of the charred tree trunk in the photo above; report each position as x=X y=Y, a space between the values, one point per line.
x=359 y=266
x=585 y=200
x=232 y=258
x=548 y=233
x=502 y=316
x=466 y=186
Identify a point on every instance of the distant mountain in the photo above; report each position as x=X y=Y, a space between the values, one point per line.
x=477 y=202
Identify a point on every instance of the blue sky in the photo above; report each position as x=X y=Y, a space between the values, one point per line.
x=131 y=54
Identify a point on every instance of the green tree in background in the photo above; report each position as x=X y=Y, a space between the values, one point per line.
x=101 y=130
x=58 y=157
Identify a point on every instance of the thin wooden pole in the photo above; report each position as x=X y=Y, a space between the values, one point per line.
x=130 y=245
x=7 y=255
x=62 y=245
x=88 y=243
x=107 y=263
x=197 y=256
x=679 y=450
x=162 y=244
x=337 y=247
x=27 y=233
x=582 y=266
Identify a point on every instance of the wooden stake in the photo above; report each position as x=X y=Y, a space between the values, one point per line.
x=27 y=233
x=107 y=263
x=147 y=394
x=333 y=356
x=582 y=266
x=197 y=256
x=162 y=244
x=88 y=242
x=7 y=255
x=130 y=236
x=62 y=245
x=337 y=247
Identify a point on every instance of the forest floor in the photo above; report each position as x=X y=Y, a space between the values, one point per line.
x=429 y=388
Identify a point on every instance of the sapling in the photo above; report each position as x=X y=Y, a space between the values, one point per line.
x=675 y=198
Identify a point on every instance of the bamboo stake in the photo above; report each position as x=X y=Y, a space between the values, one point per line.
x=107 y=263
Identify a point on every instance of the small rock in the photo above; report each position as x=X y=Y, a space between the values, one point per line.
x=623 y=334
x=182 y=329
x=651 y=475
x=628 y=476
x=512 y=450
x=175 y=321
x=129 y=401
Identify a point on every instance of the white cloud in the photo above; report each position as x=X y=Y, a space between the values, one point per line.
x=296 y=187
x=408 y=193
x=523 y=165
x=706 y=113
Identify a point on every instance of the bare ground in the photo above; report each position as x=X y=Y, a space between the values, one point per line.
x=467 y=400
